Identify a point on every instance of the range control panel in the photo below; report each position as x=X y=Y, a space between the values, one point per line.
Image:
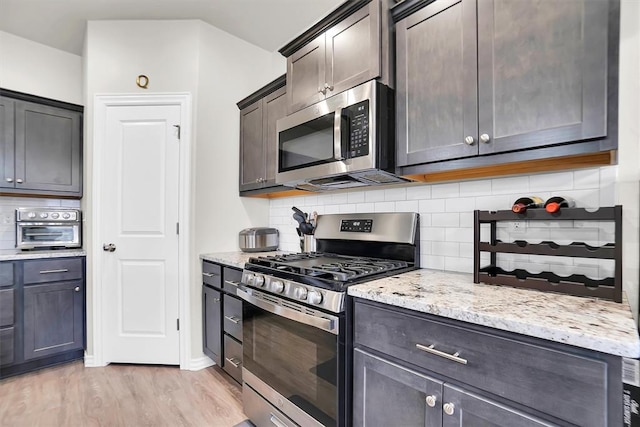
x=356 y=225
x=358 y=141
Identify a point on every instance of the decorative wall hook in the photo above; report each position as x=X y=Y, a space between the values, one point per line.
x=142 y=81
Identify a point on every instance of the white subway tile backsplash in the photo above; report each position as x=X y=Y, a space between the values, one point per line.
x=446 y=217
x=445 y=190
x=419 y=192
x=445 y=220
x=430 y=206
x=475 y=188
x=552 y=182
x=408 y=206
x=395 y=194
x=514 y=185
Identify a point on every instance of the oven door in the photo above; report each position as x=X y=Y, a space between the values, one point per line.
x=33 y=235
x=291 y=358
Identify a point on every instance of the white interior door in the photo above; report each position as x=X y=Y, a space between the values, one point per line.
x=139 y=217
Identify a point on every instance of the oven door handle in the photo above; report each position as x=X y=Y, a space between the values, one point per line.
x=329 y=325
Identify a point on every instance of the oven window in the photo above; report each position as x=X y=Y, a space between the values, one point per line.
x=308 y=144
x=47 y=233
x=296 y=360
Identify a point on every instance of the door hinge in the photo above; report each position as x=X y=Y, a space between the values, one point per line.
x=177 y=127
x=177 y=228
x=178 y=324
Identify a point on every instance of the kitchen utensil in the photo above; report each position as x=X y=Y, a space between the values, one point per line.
x=309 y=243
x=306 y=228
x=258 y=239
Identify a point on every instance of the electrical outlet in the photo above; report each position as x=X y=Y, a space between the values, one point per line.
x=517 y=226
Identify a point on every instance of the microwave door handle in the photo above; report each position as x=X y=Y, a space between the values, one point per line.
x=337 y=135
x=329 y=325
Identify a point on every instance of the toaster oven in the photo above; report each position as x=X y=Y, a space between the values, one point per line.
x=48 y=228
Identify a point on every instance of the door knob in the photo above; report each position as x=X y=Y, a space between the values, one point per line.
x=9 y=179
x=485 y=138
x=431 y=401
x=469 y=140
x=19 y=181
x=449 y=408
x=108 y=247
x=77 y=289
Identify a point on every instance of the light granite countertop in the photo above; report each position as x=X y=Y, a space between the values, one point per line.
x=15 y=254
x=236 y=259
x=599 y=325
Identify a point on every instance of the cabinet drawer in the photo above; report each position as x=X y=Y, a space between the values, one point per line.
x=52 y=270
x=551 y=381
x=212 y=274
x=6 y=346
x=6 y=307
x=233 y=316
x=232 y=358
x=6 y=274
x=232 y=278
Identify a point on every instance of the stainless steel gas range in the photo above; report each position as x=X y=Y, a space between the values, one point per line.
x=295 y=358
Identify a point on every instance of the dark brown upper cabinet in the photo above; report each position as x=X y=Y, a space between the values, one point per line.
x=496 y=76
x=41 y=146
x=347 y=48
x=258 y=139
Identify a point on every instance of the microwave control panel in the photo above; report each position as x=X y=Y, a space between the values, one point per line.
x=358 y=137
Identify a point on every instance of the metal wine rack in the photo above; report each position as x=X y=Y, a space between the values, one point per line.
x=575 y=284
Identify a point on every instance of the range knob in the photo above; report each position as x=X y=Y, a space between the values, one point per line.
x=55 y=215
x=66 y=215
x=250 y=277
x=277 y=286
x=300 y=293
x=258 y=280
x=31 y=214
x=44 y=215
x=314 y=297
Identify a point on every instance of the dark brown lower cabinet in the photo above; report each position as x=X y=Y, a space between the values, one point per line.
x=415 y=369
x=53 y=318
x=212 y=327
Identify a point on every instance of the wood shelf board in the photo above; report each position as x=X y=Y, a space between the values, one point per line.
x=580 y=161
x=543 y=249
x=582 y=214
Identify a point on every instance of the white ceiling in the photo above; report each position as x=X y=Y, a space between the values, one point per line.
x=269 y=24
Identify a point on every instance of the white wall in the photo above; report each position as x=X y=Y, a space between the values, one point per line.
x=218 y=70
x=34 y=68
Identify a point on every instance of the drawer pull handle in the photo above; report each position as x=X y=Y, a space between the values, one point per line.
x=233 y=319
x=236 y=363
x=209 y=274
x=430 y=349
x=232 y=283
x=62 y=270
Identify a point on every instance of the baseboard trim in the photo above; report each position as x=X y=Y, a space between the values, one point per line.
x=200 y=363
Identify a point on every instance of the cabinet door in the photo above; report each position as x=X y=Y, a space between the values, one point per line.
x=53 y=318
x=275 y=108
x=353 y=50
x=48 y=148
x=7 y=345
x=386 y=394
x=7 y=145
x=542 y=68
x=436 y=83
x=252 y=162
x=212 y=324
x=306 y=75
x=468 y=409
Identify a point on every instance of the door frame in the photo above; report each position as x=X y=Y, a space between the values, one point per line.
x=101 y=105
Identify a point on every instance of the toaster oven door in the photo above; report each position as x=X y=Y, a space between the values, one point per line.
x=34 y=235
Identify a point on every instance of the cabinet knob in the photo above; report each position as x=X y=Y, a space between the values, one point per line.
x=19 y=181
x=9 y=179
x=485 y=138
x=431 y=401
x=322 y=90
x=328 y=87
x=469 y=140
x=449 y=408
x=77 y=289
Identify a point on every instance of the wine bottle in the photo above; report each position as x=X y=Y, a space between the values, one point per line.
x=556 y=202
x=523 y=203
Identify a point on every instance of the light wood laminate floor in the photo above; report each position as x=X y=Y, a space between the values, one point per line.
x=120 y=395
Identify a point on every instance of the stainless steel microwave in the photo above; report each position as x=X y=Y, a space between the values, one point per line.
x=345 y=141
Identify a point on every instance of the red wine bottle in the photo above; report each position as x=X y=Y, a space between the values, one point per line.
x=523 y=203
x=555 y=203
